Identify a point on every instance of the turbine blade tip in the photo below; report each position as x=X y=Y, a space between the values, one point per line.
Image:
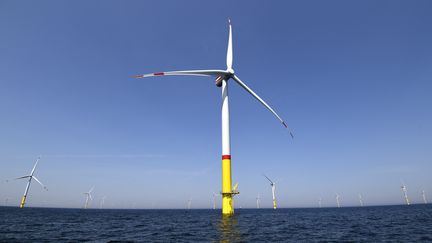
x=137 y=76
x=286 y=126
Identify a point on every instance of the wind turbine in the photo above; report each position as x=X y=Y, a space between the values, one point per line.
x=319 y=202
x=258 y=201
x=30 y=177
x=189 y=203
x=222 y=78
x=88 y=196
x=404 y=190
x=424 y=197
x=361 y=200
x=273 y=185
x=337 y=200
x=214 y=200
x=102 y=202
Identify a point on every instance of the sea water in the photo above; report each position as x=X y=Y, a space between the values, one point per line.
x=381 y=223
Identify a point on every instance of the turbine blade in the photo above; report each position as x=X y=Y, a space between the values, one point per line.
x=22 y=177
x=91 y=190
x=34 y=167
x=215 y=73
x=268 y=179
x=235 y=186
x=229 y=57
x=250 y=91
x=36 y=179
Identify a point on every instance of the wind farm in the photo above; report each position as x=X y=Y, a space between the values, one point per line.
x=222 y=78
x=174 y=121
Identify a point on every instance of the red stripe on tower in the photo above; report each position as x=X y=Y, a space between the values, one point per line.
x=226 y=156
x=158 y=74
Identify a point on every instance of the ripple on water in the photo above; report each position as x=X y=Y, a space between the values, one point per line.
x=391 y=223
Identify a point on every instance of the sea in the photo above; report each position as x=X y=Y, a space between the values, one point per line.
x=355 y=224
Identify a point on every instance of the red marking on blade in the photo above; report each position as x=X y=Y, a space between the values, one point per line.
x=158 y=74
x=226 y=156
x=137 y=76
x=283 y=123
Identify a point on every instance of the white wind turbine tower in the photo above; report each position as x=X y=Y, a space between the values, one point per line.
x=88 y=197
x=222 y=78
x=404 y=190
x=361 y=200
x=273 y=186
x=189 y=203
x=424 y=197
x=258 y=201
x=30 y=177
x=214 y=200
x=319 y=202
x=337 y=200
x=102 y=202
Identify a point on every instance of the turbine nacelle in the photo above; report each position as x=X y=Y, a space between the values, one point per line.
x=219 y=79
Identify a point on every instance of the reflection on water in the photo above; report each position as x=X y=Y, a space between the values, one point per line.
x=229 y=229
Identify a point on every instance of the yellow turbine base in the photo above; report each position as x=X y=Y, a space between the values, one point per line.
x=227 y=196
x=227 y=204
x=23 y=201
x=274 y=204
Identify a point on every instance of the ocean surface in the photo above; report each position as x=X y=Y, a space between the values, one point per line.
x=382 y=223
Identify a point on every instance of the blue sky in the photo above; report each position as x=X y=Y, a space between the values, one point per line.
x=351 y=78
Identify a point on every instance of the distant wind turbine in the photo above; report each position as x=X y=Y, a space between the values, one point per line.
x=214 y=200
x=102 y=202
x=258 y=201
x=189 y=203
x=319 y=202
x=361 y=200
x=273 y=186
x=222 y=78
x=404 y=190
x=88 y=197
x=337 y=200
x=30 y=177
x=424 y=197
